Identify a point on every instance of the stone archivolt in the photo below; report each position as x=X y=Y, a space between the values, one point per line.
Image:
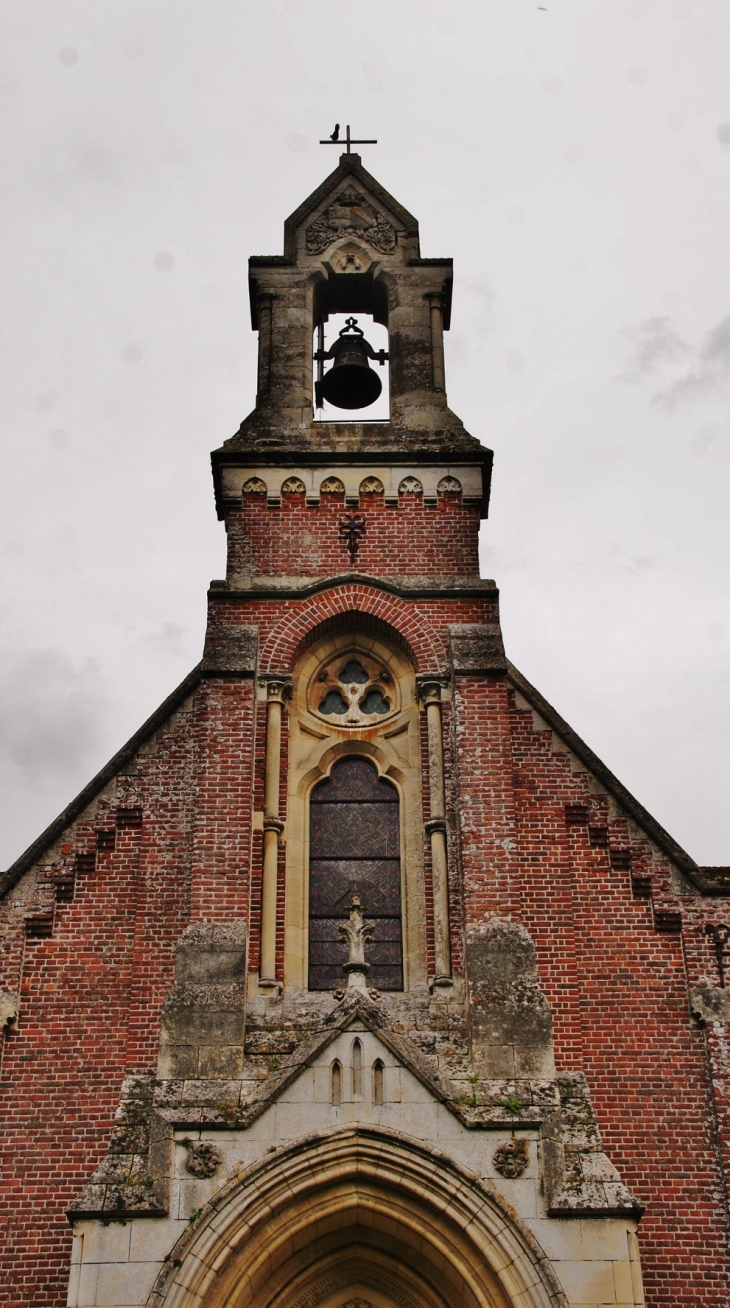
x=357 y=1191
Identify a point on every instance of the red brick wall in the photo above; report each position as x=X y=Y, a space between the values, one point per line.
x=410 y=539
x=616 y=984
x=90 y=1001
x=92 y=992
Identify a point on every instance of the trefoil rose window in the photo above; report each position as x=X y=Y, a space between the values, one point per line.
x=354 y=692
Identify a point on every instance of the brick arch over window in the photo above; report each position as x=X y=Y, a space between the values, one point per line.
x=359 y=608
x=355 y=621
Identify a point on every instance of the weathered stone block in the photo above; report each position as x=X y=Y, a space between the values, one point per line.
x=219 y=1061
x=476 y=649
x=710 y=1003
x=230 y=648
x=211 y=953
x=177 y=1061
x=510 y=1018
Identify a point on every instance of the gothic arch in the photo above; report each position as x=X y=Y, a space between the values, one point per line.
x=325 y=1219
x=353 y=603
x=317 y=744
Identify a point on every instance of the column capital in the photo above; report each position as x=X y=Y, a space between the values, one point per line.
x=429 y=687
x=278 y=688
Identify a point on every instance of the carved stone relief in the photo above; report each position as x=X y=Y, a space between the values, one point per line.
x=350 y=212
x=449 y=486
x=293 y=486
x=510 y=1159
x=254 y=486
x=410 y=486
x=203 y=1159
x=332 y=486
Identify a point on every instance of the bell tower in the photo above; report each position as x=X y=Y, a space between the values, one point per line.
x=350 y=249
x=350 y=518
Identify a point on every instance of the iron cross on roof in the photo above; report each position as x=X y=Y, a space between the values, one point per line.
x=334 y=139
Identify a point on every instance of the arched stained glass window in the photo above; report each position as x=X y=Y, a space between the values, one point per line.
x=354 y=850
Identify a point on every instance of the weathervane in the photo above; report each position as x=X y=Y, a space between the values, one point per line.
x=334 y=139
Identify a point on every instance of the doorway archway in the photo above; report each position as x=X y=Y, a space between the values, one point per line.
x=357 y=1214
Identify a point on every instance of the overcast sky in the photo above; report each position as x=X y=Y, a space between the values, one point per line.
x=573 y=159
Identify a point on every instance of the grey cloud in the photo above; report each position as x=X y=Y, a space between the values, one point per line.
x=716 y=350
x=170 y=639
x=711 y=369
x=636 y=564
x=50 y=715
x=658 y=346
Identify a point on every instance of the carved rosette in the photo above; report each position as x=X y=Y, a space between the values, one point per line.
x=203 y=1159
x=510 y=1159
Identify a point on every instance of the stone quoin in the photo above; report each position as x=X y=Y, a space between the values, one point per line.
x=356 y=978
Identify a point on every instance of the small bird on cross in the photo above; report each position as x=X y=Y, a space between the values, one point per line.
x=336 y=134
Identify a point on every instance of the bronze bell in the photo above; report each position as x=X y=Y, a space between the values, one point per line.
x=350 y=382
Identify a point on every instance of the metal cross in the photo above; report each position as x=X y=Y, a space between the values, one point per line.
x=334 y=139
x=351 y=531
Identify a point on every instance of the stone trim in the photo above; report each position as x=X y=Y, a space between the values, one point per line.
x=579 y=1179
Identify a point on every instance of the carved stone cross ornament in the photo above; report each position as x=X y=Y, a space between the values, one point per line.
x=356 y=932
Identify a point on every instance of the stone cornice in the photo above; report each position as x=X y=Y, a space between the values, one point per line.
x=275 y=588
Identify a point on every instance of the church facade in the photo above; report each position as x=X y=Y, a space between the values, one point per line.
x=355 y=979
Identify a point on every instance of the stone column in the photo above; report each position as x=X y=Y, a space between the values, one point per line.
x=273 y=827
x=436 y=829
x=263 y=312
x=437 y=341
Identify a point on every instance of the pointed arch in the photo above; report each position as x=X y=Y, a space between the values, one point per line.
x=355 y=605
x=349 y=1199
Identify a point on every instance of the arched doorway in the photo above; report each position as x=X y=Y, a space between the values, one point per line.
x=357 y=1218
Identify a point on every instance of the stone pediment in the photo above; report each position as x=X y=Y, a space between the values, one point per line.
x=350 y=202
x=355 y=1013
x=356 y=1070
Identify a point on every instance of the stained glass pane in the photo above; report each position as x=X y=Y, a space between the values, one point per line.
x=355 y=848
x=352 y=779
x=374 y=703
x=353 y=674
x=333 y=703
x=354 y=831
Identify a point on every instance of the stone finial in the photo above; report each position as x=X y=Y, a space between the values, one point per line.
x=356 y=932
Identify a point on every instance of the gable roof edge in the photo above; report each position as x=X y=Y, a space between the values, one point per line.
x=349 y=164
x=653 y=829
x=12 y=875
